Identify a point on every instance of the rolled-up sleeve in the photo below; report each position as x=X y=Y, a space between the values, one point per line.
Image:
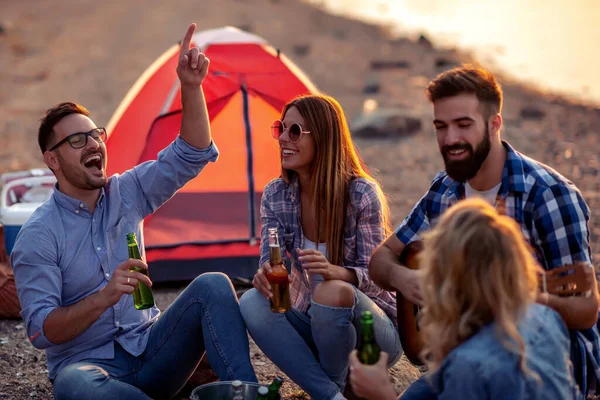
x=38 y=279
x=150 y=184
x=561 y=221
x=417 y=221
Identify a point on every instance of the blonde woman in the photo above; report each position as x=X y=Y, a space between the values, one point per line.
x=330 y=214
x=485 y=336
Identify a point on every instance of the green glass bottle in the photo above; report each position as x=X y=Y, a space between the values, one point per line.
x=274 y=388
x=142 y=295
x=262 y=393
x=368 y=349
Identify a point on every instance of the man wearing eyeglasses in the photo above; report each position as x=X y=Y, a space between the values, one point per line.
x=73 y=273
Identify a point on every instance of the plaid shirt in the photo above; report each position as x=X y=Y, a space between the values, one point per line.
x=554 y=219
x=280 y=208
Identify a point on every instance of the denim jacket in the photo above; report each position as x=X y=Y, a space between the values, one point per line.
x=482 y=368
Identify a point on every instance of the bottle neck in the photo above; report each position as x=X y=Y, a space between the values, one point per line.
x=367 y=332
x=274 y=387
x=134 y=251
x=274 y=254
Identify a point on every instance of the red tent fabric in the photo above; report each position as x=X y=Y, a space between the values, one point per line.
x=212 y=223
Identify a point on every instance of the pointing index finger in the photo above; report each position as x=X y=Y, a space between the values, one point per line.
x=187 y=40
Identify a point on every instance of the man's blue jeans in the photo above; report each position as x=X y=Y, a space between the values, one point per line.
x=205 y=317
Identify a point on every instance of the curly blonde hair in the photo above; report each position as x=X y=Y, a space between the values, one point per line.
x=477 y=269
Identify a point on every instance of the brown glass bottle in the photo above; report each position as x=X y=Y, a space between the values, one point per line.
x=278 y=278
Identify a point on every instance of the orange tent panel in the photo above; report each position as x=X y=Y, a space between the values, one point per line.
x=213 y=222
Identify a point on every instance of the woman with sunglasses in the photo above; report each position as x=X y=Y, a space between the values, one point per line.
x=330 y=214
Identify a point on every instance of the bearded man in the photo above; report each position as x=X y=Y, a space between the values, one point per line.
x=467 y=105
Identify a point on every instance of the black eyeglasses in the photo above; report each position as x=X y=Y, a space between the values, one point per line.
x=295 y=131
x=79 y=139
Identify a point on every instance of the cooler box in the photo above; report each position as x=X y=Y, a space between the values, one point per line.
x=18 y=200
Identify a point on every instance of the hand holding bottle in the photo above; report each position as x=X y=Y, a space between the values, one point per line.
x=371 y=381
x=260 y=281
x=124 y=281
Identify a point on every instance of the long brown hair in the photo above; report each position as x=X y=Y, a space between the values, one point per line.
x=336 y=164
x=477 y=269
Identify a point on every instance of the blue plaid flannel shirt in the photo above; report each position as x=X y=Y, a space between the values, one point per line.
x=554 y=218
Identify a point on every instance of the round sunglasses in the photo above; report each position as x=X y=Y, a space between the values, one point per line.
x=294 y=131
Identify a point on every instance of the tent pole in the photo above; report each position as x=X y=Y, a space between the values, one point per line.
x=250 y=163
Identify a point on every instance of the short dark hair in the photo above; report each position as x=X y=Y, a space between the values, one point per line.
x=52 y=117
x=468 y=79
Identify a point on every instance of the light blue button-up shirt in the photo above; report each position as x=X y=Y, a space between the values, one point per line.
x=64 y=253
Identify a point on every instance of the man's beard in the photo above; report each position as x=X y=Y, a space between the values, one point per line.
x=77 y=177
x=466 y=169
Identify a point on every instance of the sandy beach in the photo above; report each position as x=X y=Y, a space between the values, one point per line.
x=92 y=52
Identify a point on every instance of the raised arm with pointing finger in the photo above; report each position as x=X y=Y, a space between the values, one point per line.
x=72 y=268
x=192 y=69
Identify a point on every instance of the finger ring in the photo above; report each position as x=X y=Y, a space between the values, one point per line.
x=128 y=279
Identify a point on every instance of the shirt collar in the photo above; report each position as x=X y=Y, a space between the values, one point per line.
x=71 y=204
x=293 y=188
x=513 y=176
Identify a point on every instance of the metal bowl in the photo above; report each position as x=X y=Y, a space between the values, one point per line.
x=222 y=390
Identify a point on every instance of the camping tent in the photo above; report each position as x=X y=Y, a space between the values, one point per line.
x=212 y=223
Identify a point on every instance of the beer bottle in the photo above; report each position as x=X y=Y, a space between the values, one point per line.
x=368 y=349
x=142 y=295
x=262 y=393
x=278 y=278
x=274 y=388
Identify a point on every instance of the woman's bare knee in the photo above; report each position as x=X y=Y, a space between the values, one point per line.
x=334 y=294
